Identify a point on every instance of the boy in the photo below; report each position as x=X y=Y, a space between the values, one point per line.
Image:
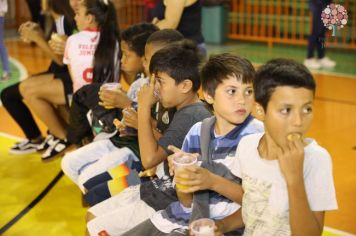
x=177 y=82
x=286 y=179
x=227 y=82
x=285 y=166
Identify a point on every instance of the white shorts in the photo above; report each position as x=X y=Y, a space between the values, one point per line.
x=119 y=213
x=94 y=159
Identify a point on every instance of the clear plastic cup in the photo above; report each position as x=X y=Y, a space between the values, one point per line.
x=110 y=86
x=203 y=227
x=181 y=162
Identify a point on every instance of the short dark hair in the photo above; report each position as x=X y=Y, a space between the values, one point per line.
x=281 y=72
x=180 y=61
x=165 y=37
x=136 y=36
x=220 y=66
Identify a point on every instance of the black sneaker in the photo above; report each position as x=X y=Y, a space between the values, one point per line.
x=24 y=147
x=46 y=143
x=57 y=147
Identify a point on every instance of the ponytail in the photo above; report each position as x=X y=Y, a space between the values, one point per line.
x=106 y=56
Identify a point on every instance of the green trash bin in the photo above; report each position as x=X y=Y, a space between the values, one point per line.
x=214 y=24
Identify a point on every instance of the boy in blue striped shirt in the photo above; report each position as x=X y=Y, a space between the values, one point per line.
x=227 y=85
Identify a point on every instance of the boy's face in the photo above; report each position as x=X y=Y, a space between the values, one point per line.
x=289 y=111
x=233 y=100
x=150 y=50
x=169 y=92
x=130 y=61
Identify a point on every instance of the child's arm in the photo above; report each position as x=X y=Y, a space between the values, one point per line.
x=200 y=179
x=303 y=220
x=230 y=223
x=172 y=15
x=31 y=31
x=114 y=98
x=151 y=153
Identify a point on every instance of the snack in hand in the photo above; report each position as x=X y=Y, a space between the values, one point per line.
x=148 y=173
x=118 y=124
x=294 y=136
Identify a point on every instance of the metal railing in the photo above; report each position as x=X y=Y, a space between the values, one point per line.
x=280 y=21
x=270 y=21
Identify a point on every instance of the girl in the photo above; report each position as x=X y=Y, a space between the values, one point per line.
x=92 y=55
x=54 y=80
x=97 y=157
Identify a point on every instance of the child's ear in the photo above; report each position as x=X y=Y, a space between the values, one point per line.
x=90 y=18
x=208 y=98
x=186 y=86
x=259 y=111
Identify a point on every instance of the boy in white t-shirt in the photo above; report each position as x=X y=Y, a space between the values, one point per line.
x=287 y=179
x=287 y=182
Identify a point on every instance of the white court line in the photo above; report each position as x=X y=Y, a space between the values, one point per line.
x=336 y=231
x=10 y=136
x=21 y=67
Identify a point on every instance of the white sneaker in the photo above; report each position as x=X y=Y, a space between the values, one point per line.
x=326 y=62
x=312 y=64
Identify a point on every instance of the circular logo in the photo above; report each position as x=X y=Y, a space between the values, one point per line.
x=334 y=16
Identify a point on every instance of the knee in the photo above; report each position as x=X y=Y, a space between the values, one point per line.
x=10 y=93
x=26 y=90
x=69 y=167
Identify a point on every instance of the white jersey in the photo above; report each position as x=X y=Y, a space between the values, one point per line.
x=79 y=55
x=265 y=207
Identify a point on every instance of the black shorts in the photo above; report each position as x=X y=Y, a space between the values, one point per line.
x=67 y=85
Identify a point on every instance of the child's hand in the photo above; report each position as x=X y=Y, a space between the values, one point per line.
x=130 y=117
x=148 y=173
x=291 y=159
x=31 y=32
x=113 y=98
x=145 y=96
x=58 y=46
x=195 y=178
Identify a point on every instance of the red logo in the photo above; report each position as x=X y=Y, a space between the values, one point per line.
x=88 y=75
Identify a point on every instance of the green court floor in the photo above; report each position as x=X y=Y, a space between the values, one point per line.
x=260 y=53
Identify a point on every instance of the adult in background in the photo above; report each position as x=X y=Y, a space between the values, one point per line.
x=3 y=52
x=35 y=7
x=182 y=15
x=317 y=38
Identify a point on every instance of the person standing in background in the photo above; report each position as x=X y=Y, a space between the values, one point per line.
x=182 y=15
x=3 y=51
x=317 y=38
x=35 y=7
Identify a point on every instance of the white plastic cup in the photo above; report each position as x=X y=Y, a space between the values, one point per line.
x=181 y=162
x=111 y=86
x=203 y=227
